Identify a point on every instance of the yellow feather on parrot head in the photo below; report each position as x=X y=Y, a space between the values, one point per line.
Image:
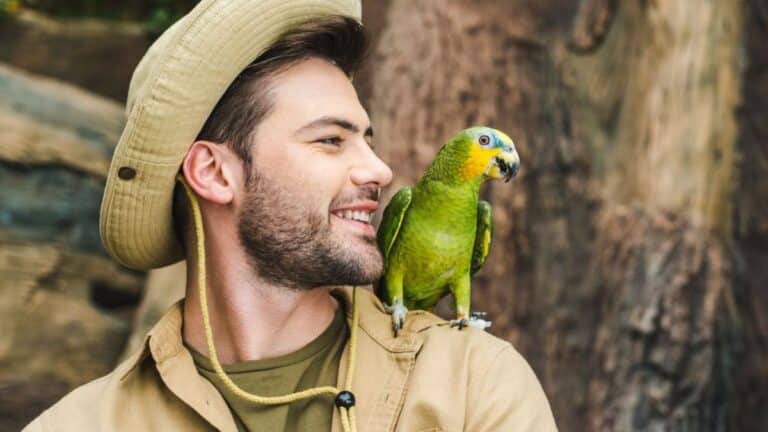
x=491 y=154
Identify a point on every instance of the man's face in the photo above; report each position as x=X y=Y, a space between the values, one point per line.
x=305 y=216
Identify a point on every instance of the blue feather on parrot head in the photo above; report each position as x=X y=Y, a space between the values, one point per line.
x=489 y=138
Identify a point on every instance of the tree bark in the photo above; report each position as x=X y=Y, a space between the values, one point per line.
x=612 y=267
x=750 y=384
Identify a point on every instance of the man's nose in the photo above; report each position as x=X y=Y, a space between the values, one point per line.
x=371 y=169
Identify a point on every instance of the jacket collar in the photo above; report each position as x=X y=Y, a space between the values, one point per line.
x=164 y=340
x=383 y=363
x=173 y=362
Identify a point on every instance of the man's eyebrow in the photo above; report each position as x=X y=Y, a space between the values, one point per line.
x=334 y=121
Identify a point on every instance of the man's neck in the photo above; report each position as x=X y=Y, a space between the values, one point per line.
x=252 y=319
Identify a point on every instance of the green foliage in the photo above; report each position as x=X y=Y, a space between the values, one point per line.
x=8 y=8
x=161 y=17
x=154 y=12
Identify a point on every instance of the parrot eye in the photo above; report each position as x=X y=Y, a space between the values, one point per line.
x=484 y=140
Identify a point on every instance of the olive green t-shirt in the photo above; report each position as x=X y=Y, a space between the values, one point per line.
x=314 y=365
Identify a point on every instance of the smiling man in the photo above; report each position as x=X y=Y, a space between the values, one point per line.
x=249 y=105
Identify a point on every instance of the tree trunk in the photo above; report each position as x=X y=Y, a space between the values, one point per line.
x=750 y=230
x=615 y=267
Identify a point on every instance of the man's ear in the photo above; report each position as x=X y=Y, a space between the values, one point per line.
x=209 y=172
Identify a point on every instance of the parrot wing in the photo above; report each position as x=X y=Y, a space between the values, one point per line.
x=392 y=220
x=482 y=236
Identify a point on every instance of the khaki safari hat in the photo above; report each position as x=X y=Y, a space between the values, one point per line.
x=172 y=92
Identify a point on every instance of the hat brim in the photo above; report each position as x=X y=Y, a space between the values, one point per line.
x=173 y=91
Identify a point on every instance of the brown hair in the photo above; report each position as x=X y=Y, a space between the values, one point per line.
x=338 y=39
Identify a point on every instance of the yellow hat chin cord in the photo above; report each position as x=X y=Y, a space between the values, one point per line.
x=344 y=399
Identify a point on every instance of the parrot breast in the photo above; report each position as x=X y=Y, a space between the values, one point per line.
x=435 y=243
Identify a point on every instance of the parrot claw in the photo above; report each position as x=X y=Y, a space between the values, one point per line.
x=398 y=312
x=474 y=320
x=460 y=323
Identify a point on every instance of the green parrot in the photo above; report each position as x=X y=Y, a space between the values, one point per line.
x=435 y=235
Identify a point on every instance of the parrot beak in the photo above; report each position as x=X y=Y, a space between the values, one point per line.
x=508 y=163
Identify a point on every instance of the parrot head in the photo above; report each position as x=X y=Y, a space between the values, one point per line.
x=489 y=153
x=494 y=150
x=474 y=155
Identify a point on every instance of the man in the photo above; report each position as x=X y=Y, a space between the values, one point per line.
x=252 y=104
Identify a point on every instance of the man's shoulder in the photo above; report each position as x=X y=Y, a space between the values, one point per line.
x=471 y=379
x=430 y=333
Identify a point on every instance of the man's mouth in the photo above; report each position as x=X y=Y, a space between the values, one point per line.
x=355 y=215
x=358 y=214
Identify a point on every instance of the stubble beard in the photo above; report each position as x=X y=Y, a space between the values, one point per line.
x=290 y=246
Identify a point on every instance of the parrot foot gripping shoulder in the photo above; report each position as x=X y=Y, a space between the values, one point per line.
x=398 y=312
x=459 y=322
x=475 y=320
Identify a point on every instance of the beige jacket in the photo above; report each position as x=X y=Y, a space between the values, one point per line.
x=429 y=378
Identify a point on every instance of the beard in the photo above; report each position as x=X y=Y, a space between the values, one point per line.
x=289 y=245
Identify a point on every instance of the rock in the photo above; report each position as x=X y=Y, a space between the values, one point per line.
x=67 y=308
x=96 y=55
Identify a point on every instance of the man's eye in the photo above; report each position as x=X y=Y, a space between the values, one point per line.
x=334 y=141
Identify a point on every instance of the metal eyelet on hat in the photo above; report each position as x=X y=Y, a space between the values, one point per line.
x=126 y=173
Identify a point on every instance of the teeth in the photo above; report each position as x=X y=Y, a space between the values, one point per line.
x=363 y=216
x=360 y=216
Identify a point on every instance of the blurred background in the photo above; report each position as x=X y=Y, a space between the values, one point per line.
x=630 y=257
